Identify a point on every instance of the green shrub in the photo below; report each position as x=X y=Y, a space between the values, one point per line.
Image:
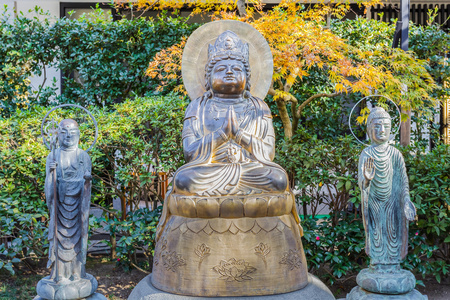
x=102 y=62
x=322 y=156
x=429 y=180
x=21 y=223
x=141 y=138
x=336 y=249
x=137 y=233
x=324 y=172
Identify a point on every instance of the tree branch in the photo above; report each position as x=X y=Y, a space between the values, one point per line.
x=142 y=270
x=104 y=209
x=304 y=104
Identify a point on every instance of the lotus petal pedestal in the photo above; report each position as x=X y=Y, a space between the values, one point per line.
x=396 y=284
x=68 y=289
x=358 y=293
x=95 y=296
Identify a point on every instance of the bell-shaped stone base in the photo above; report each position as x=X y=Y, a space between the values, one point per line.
x=315 y=290
x=230 y=257
x=67 y=289
x=358 y=293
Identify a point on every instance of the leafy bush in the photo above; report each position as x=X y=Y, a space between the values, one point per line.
x=137 y=233
x=336 y=249
x=432 y=43
x=324 y=172
x=335 y=244
x=429 y=180
x=103 y=62
x=322 y=162
x=141 y=138
x=21 y=223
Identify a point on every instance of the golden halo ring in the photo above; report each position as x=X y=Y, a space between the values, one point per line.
x=195 y=56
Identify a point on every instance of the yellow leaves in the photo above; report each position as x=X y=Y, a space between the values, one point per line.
x=166 y=66
x=362 y=119
x=198 y=7
x=340 y=88
x=279 y=94
x=290 y=80
x=300 y=43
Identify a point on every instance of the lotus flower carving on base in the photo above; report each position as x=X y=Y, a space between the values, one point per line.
x=234 y=270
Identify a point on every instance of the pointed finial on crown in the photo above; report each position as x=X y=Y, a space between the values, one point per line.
x=228 y=45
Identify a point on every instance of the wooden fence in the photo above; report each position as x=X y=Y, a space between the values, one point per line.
x=418 y=13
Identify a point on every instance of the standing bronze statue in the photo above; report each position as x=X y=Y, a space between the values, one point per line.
x=229 y=226
x=387 y=210
x=68 y=195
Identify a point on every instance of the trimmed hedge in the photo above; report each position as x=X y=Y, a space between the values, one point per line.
x=102 y=62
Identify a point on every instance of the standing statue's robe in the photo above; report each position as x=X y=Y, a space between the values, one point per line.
x=73 y=193
x=383 y=203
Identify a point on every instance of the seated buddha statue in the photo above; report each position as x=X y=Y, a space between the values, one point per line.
x=230 y=220
x=228 y=136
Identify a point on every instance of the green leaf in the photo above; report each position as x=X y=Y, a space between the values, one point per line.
x=348 y=185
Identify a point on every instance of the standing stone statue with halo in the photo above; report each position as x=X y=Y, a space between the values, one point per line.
x=229 y=226
x=386 y=210
x=68 y=195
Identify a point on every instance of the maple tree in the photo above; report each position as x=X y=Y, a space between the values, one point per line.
x=301 y=43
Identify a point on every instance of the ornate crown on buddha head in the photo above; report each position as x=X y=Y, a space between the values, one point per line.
x=228 y=45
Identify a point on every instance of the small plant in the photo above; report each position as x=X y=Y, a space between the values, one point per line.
x=137 y=234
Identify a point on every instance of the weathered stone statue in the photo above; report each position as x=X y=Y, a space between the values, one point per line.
x=68 y=194
x=229 y=225
x=386 y=209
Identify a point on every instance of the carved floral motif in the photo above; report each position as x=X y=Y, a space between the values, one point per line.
x=262 y=250
x=292 y=259
x=160 y=247
x=202 y=251
x=171 y=260
x=234 y=270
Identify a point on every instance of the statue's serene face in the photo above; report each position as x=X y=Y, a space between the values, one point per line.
x=228 y=77
x=381 y=130
x=68 y=134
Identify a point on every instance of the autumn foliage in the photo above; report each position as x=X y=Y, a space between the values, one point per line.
x=301 y=42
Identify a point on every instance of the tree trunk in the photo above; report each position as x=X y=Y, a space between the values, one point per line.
x=287 y=125
x=112 y=239
x=405 y=129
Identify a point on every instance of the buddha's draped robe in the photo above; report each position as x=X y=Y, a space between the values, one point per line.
x=240 y=166
x=73 y=200
x=383 y=203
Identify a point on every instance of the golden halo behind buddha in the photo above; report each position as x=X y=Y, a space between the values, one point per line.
x=195 y=56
